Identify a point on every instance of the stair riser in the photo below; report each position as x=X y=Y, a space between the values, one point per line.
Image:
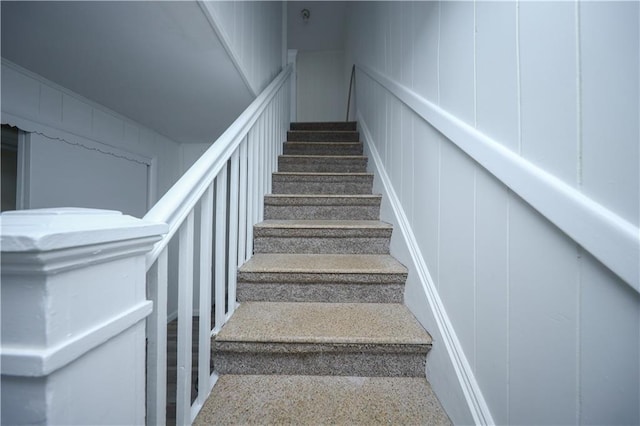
x=339 y=126
x=311 y=212
x=304 y=148
x=319 y=360
x=349 y=187
x=322 y=136
x=322 y=165
x=321 y=245
x=320 y=292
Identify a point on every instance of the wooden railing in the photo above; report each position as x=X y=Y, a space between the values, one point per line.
x=218 y=200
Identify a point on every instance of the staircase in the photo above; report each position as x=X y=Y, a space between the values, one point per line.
x=321 y=334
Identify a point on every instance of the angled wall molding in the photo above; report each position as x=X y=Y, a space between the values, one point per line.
x=611 y=239
x=468 y=384
x=214 y=20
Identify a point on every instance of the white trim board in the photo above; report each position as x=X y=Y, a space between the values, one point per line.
x=466 y=379
x=611 y=239
x=35 y=362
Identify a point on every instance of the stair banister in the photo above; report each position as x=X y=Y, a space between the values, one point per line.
x=182 y=197
x=240 y=161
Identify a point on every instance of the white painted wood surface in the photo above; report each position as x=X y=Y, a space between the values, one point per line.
x=524 y=332
x=61 y=174
x=251 y=33
x=322 y=89
x=185 y=315
x=35 y=104
x=240 y=161
x=89 y=265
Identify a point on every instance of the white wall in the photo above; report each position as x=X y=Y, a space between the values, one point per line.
x=321 y=90
x=35 y=104
x=321 y=82
x=64 y=174
x=549 y=334
x=325 y=29
x=252 y=31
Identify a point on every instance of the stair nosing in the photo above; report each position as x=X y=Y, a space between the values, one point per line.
x=343 y=331
x=345 y=157
x=323 y=224
x=280 y=265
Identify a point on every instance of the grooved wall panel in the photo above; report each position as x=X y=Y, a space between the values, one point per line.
x=59 y=113
x=254 y=30
x=611 y=94
x=550 y=335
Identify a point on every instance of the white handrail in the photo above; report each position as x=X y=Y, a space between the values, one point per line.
x=176 y=204
x=239 y=163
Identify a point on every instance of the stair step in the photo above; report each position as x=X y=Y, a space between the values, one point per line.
x=322 y=400
x=322 y=136
x=366 y=278
x=322 y=236
x=342 y=339
x=322 y=148
x=322 y=183
x=322 y=163
x=318 y=207
x=331 y=125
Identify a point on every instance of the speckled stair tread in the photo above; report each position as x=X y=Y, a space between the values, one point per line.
x=324 y=263
x=323 y=135
x=322 y=148
x=325 y=125
x=326 y=228
x=323 y=163
x=322 y=183
x=322 y=206
x=318 y=400
x=325 y=224
x=335 y=323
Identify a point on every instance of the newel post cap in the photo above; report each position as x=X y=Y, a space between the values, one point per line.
x=61 y=228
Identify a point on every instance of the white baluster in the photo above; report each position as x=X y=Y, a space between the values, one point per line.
x=251 y=190
x=233 y=232
x=157 y=342
x=204 y=323
x=185 y=322
x=220 y=241
x=242 y=205
x=261 y=167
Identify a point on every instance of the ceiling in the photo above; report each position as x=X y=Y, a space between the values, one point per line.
x=159 y=63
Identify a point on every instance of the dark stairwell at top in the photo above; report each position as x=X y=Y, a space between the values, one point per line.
x=321 y=335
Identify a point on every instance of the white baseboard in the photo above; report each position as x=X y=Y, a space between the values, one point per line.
x=477 y=405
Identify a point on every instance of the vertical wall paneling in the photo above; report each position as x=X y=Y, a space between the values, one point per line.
x=609 y=70
x=425 y=37
x=456 y=244
x=549 y=334
x=407 y=157
x=548 y=71
x=50 y=108
x=426 y=192
x=252 y=33
x=609 y=327
x=456 y=59
x=543 y=269
x=67 y=120
x=77 y=116
x=491 y=253
x=496 y=74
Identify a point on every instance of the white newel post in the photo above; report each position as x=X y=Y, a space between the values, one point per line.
x=292 y=57
x=73 y=304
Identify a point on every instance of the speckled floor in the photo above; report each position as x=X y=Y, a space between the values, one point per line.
x=321 y=400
